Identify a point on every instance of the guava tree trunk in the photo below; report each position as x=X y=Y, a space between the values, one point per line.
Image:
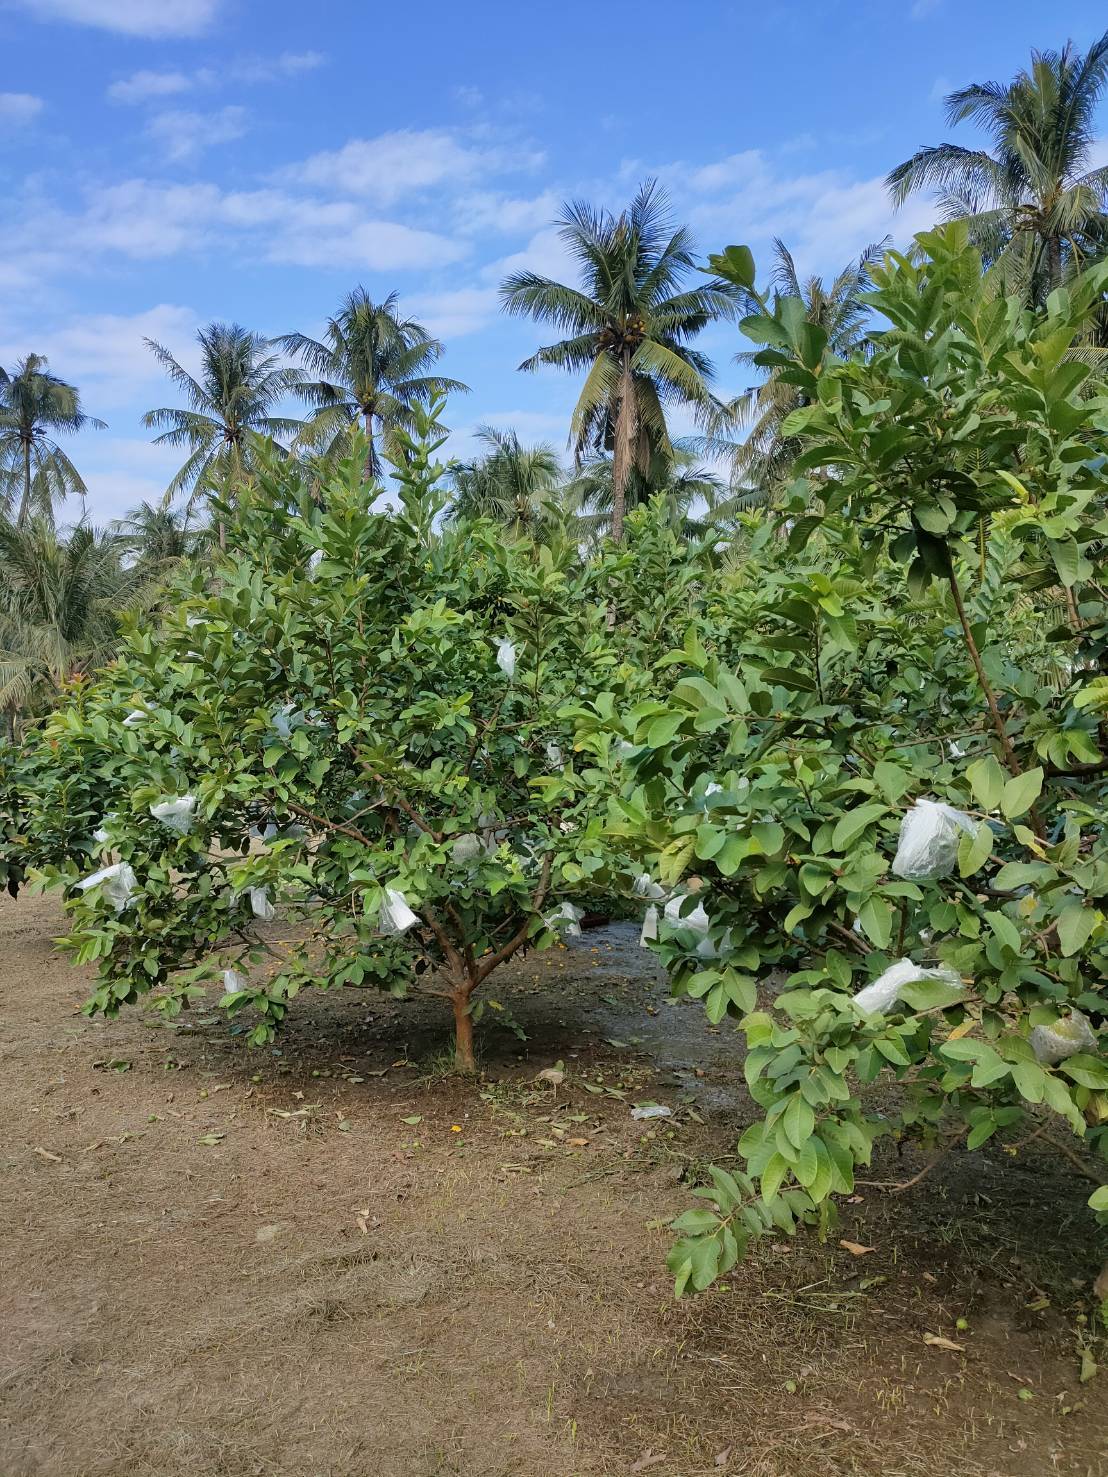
x=464 y=1060
x=621 y=454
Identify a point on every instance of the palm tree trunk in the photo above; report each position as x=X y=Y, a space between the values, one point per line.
x=1054 y=260
x=25 y=500
x=369 y=471
x=621 y=455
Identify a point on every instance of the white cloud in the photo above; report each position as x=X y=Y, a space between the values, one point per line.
x=335 y=234
x=273 y=69
x=825 y=217
x=19 y=107
x=129 y=17
x=182 y=135
x=545 y=253
x=140 y=86
x=148 y=219
x=105 y=353
x=921 y=9
x=120 y=472
x=509 y=215
x=939 y=89
x=405 y=162
x=453 y=314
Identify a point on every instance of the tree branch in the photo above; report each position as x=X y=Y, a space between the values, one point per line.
x=486 y=966
x=413 y=815
x=319 y=820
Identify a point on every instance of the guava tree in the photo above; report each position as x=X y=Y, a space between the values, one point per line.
x=881 y=775
x=350 y=720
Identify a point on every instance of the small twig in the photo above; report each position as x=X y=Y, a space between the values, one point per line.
x=1075 y=1159
x=899 y=1186
x=850 y=937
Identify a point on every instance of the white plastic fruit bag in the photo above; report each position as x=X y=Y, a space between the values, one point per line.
x=566 y=919
x=696 y=920
x=176 y=814
x=928 y=844
x=649 y=927
x=506 y=656
x=395 y=915
x=882 y=994
x=282 y=720
x=466 y=848
x=1063 y=1039
x=645 y=886
x=233 y=982
x=260 y=904
x=117 y=883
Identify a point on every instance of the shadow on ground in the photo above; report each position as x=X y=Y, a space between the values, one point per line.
x=333 y=1259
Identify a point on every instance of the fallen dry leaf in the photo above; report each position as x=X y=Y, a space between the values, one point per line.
x=576 y=1143
x=555 y=1078
x=46 y=1154
x=1100 y=1286
x=648 y=1459
x=937 y=1341
x=856 y=1248
x=722 y=1457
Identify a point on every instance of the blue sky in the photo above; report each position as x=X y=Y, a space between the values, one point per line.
x=169 y=162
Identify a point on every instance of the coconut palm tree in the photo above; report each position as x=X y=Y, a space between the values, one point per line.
x=158 y=535
x=628 y=326
x=691 y=491
x=761 y=460
x=510 y=483
x=1033 y=204
x=372 y=368
x=229 y=413
x=61 y=598
x=34 y=406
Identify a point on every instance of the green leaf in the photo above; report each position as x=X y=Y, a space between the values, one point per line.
x=876 y=919
x=1021 y=792
x=893 y=780
x=734 y=264
x=974 y=849
x=772 y=1176
x=892 y=1049
x=789 y=678
x=1005 y=930
x=1086 y=1070
x=695 y=1222
x=798 y=1121
x=853 y=823
x=986 y=781
x=1098 y=1200
x=928 y=994
x=1030 y=1080
x=1067 y=560
x=663 y=729
x=1075 y=924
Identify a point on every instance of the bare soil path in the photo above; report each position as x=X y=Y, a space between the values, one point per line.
x=333 y=1260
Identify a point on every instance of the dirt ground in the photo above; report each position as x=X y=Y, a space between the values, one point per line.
x=333 y=1259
